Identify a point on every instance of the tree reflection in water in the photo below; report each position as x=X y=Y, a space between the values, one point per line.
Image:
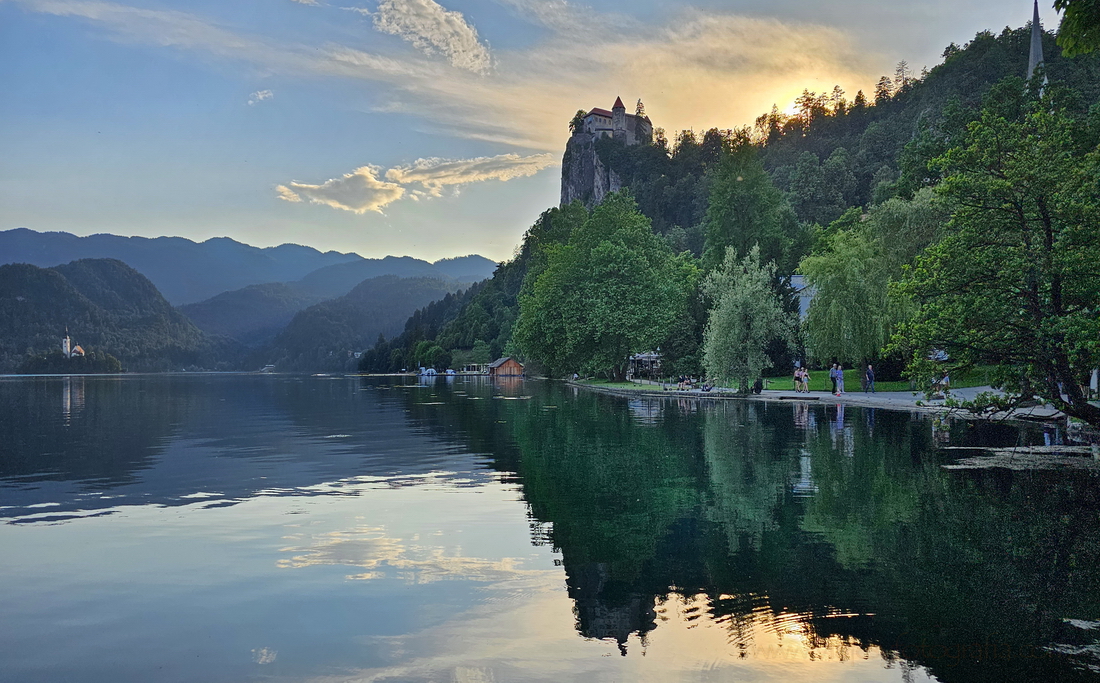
x=835 y=531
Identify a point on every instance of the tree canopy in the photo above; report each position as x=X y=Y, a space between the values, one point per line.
x=746 y=317
x=614 y=289
x=1015 y=281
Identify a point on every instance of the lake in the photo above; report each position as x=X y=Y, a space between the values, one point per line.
x=293 y=528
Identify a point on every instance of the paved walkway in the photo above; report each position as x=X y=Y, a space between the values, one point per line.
x=891 y=400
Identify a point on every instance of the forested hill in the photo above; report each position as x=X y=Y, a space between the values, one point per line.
x=788 y=184
x=325 y=336
x=841 y=150
x=107 y=307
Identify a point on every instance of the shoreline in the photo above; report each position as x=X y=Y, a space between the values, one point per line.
x=900 y=401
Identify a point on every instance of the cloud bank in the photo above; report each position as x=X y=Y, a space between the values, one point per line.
x=364 y=189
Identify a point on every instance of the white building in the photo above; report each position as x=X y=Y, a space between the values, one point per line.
x=630 y=128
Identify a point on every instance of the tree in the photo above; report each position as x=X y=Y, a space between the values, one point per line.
x=1015 y=281
x=883 y=90
x=850 y=317
x=1079 y=32
x=746 y=317
x=615 y=289
x=746 y=209
x=577 y=123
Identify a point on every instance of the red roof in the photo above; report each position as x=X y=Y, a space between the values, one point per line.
x=619 y=103
x=600 y=112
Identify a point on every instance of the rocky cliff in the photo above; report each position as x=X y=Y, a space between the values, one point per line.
x=583 y=176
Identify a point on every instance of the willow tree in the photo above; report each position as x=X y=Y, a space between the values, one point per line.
x=849 y=318
x=746 y=317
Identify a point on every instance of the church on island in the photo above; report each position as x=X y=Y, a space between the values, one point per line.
x=68 y=349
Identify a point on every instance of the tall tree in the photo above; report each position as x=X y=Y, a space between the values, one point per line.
x=1015 y=281
x=850 y=316
x=615 y=289
x=746 y=317
x=746 y=209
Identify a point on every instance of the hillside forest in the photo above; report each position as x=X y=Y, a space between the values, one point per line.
x=947 y=218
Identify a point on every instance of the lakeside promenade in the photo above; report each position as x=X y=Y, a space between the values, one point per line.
x=889 y=400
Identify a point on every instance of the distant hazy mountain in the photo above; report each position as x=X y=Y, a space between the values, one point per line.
x=183 y=271
x=253 y=315
x=186 y=272
x=106 y=305
x=322 y=336
x=472 y=268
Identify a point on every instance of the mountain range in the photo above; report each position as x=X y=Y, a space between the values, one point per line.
x=188 y=272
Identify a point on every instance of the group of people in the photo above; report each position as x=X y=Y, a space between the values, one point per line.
x=802 y=380
x=836 y=378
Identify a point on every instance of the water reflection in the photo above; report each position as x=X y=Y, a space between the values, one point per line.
x=466 y=517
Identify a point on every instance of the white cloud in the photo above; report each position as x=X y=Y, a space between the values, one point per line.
x=359 y=191
x=431 y=28
x=314 y=3
x=260 y=96
x=434 y=174
x=363 y=190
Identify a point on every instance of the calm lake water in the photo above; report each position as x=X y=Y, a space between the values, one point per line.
x=231 y=528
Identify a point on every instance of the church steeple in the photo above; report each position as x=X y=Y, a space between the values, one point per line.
x=1035 y=57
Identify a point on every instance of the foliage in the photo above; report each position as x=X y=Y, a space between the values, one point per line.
x=614 y=289
x=576 y=124
x=486 y=312
x=849 y=317
x=56 y=363
x=747 y=315
x=852 y=315
x=1015 y=281
x=747 y=210
x=1079 y=32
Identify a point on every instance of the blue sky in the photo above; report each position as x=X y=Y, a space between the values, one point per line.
x=400 y=126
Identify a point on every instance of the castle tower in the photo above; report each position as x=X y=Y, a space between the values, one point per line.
x=66 y=343
x=618 y=118
x=1035 y=57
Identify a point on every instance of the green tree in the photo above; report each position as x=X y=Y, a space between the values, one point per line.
x=850 y=316
x=576 y=124
x=615 y=289
x=746 y=317
x=1015 y=282
x=747 y=209
x=1079 y=31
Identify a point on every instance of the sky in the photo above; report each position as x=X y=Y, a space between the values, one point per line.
x=405 y=127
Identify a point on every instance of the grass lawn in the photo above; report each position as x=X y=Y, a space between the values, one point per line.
x=819 y=381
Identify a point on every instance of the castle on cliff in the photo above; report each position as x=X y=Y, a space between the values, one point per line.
x=632 y=129
x=584 y=177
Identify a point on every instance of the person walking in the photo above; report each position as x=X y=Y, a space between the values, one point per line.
x=870 y=379
x=839 y=379
x=832 y=377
